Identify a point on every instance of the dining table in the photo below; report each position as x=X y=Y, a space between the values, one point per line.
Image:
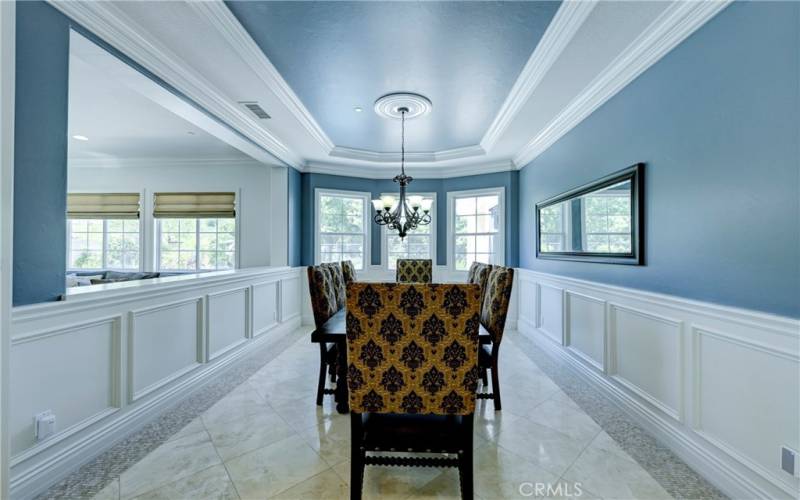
x=334 y=331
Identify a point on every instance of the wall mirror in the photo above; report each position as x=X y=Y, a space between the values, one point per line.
x=599 y=222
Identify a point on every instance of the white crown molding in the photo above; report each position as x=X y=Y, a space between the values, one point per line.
x=226 y=24
x=565 y=24
x=162 y=162
x=108 y=22
x=412 y=157
x=419 y=172
x=674 y=25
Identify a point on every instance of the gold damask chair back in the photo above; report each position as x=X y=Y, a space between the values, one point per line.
x=494 y=311
x=414 y=271
x=412 y=354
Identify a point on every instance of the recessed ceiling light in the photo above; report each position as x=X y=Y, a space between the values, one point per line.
x=80 y=137
x=190 y=133
x=358 y=109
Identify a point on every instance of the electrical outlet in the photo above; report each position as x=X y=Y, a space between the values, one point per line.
x=789 y=461
x=44 y=425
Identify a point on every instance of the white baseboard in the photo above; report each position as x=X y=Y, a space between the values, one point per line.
x=37 y=479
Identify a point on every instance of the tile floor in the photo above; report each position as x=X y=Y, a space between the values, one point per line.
x=267 y=439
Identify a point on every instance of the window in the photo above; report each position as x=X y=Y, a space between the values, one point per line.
x=203 y=244
x=608 y=222
x=418 y=244
x=103 y=244
x=475 y=223
x=553 y=228
x=342 y=227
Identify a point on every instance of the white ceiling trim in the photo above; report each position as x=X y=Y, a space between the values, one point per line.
x=106 y=21
x=565 y=24
x=674 y=25
x=429 y=172
x=161 y=162
x=219 y=16
x=411 y=157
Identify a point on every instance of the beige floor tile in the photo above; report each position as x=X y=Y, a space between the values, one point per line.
x=192 y=427
x=248 y=433
x=324 y=486
x=610 y=476
x=211 y=483
x=169 y=462
x=605 y=442
x=331 y=439
x=566 y=419
x=500 y=473
x=274 y=468
x=110 y=492
x=241 y=402
x=543 y=446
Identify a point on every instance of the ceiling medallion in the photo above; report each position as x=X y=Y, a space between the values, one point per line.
x=402 y=215
x=416 y=105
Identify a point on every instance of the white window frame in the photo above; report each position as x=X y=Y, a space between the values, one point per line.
x=236 y=253
x=433 y=234
x=104 y=250
x=451 y=212
x=366 y=198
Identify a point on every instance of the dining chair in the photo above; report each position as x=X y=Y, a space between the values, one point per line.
x=494 y=311
x=412 y=354
x=349 y=271
x=414 y=271
x=337 y=279
x=323 y=304
x=479 y=274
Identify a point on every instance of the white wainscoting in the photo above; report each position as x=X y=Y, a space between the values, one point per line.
x=110 y=358
x=719 y=385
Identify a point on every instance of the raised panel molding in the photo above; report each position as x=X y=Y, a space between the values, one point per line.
x=264 y=306
x=718 y=385
x=653 y=372
x=550 y=311
x=747 y=366
x=226 y=328
x=167 y=325
x=290 y=299
x=51 y=352
x=585 y=328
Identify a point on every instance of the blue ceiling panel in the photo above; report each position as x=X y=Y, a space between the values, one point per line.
x=464 y=56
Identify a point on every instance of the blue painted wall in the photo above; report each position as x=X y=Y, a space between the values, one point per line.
x=441 y=187
x=40 y=153
x=717 y=122
x=295 y=211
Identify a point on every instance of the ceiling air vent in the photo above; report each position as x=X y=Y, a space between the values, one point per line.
x=256 y=109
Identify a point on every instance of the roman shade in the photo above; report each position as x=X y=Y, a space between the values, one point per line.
x=194 y=205
x=103 y=205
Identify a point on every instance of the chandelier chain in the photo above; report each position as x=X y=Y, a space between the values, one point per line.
x=403 y=141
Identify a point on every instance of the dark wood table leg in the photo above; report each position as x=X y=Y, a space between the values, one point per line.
x=342 y=396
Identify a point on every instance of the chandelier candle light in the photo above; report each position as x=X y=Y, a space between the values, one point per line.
x=407 y=213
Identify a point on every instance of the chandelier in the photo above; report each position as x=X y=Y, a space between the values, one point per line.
x=406 y=213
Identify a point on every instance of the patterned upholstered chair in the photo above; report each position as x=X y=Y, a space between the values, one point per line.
x=479 y=275
x=412 y=375
x=414 y=271
x=323 y=303
x=337 y=277
x=494 y=311
x=349 y=272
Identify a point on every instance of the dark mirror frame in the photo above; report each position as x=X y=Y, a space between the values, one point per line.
x=635 y=174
